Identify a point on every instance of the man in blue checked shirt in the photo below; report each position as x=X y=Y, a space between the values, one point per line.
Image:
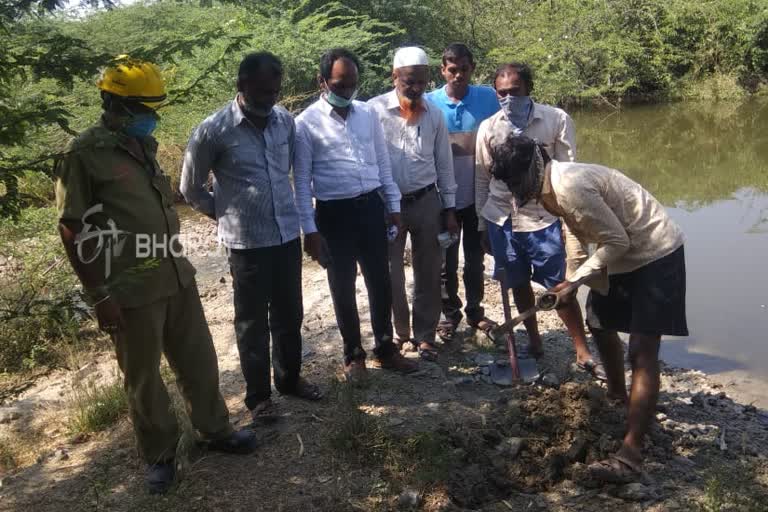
x=249 y=146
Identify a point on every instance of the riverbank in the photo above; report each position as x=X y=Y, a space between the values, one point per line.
x=443 y=439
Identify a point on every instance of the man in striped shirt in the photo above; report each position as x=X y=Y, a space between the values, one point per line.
x=249 y=145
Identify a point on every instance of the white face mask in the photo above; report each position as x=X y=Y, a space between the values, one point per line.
x=338 y=101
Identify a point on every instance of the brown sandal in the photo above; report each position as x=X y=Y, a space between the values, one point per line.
x=484 y=325
x=616 y=469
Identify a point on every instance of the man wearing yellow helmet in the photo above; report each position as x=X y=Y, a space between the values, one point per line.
x=120 y=230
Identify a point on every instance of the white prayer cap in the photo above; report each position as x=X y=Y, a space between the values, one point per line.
x=410 y=56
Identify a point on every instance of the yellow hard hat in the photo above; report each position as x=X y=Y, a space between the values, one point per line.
x=134 y=80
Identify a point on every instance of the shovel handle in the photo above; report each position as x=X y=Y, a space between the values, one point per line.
x=509 y=334
x=551 y=300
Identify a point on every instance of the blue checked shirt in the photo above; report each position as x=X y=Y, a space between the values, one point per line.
x=252 y=198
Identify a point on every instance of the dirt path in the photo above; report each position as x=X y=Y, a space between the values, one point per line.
x=443 y=439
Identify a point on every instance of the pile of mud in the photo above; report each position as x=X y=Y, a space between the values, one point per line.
x=537 y=439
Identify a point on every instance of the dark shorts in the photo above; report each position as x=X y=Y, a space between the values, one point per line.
x=528 y=256
x=649 y=300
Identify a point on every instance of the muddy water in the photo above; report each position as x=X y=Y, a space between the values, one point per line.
x=709 y=166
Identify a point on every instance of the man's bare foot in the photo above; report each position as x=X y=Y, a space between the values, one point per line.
x=593 y=368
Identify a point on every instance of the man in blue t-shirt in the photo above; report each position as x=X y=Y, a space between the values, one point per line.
x=464 y=106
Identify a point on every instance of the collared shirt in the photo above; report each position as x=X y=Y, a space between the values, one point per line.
x=549 y=125
x=339 y=158
x=421 y=152
x=103 y=184
x=252 y=197
x=463 y=118
x=602 y=206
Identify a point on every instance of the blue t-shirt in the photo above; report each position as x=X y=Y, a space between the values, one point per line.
x=463 y=119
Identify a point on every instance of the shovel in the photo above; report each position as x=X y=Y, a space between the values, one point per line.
x=524 y=369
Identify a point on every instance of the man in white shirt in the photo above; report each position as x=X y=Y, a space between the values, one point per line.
x=422 y=167
x=341 y=160
x=527 y=243
x=639 y=248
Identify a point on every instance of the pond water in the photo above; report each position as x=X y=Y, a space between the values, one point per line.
x=708 y=163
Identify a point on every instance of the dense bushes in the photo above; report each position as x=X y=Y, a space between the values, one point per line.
x=40 y=311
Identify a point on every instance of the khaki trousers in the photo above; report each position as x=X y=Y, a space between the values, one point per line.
x=174 y=326
x=421 y=219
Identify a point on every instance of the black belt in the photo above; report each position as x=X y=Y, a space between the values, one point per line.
x=417 y=194
x=353 y=200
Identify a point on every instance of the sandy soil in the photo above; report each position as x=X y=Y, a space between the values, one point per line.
x=445 y=438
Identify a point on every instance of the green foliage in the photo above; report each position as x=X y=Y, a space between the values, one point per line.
x=96 y=407
x=39 y=310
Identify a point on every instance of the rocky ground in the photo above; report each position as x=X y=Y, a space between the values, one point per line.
x=445 y=439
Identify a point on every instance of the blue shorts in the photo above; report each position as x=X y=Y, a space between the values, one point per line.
x=533 y=256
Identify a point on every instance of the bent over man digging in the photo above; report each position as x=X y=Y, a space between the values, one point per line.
x=640 y=274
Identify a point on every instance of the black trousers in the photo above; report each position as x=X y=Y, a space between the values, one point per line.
x=356 y=233
x=267 y=284
x=474 y=281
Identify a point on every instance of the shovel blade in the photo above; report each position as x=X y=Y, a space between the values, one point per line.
x=501 y=374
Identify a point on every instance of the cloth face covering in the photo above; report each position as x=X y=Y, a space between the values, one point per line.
x=518 y=111
x=141 y=125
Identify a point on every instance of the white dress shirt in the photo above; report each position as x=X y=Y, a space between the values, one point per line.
x=339 y=158
x=552 y=127
x=421 y=152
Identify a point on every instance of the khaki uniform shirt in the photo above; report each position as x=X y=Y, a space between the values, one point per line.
x=602 y=206
x=130 y=205
x=549 y=125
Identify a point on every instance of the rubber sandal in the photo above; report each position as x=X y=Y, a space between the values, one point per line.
x=446 y=330
x=427 y=352
x=484 y=325
x=593 y=368
x=616 y=470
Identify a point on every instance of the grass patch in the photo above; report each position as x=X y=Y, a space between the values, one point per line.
x=96 y=407
x=745 y=494
x=421 y=458
x=8 y=457
x=357 y=436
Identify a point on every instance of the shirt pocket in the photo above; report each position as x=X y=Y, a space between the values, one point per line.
x=423 y=148
x=280 y=157
x=162 y=183
x=230 y=154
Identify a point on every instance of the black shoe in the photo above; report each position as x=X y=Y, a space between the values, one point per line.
x=241 y=442
x=160 y=477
